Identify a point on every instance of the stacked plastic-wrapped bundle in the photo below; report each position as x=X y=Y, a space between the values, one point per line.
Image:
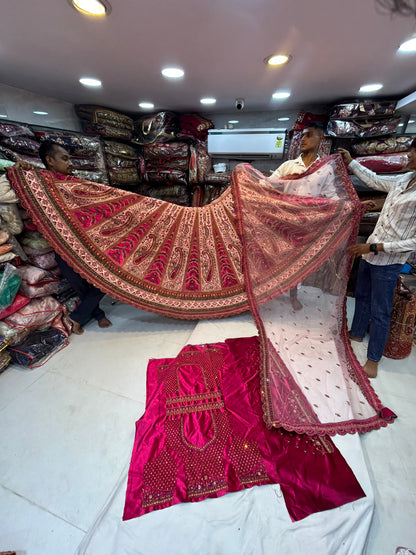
x=124 y=164
x=86 y=153
x=295 y=134
x=384 y=154
x=363 y=119
x=28 y=278
x=20 y=142
x=98 y=120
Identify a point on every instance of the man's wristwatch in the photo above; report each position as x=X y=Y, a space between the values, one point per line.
x=373 y=248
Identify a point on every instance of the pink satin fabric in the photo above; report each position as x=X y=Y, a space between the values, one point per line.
x=203 y=435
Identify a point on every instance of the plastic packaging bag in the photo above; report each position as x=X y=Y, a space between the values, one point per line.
x=9 y=285
x=37 y=347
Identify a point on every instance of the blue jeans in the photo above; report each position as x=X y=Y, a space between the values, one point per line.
x=374 y=294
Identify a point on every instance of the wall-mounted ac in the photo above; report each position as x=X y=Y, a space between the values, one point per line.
x=246 y=143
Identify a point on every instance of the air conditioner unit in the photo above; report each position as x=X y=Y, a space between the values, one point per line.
x=246 y=143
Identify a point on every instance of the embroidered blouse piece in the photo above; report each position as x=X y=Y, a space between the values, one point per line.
x=203 y=435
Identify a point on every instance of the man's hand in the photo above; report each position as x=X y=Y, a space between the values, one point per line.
x=358 y=250
x=369 y=205
x=346 y=156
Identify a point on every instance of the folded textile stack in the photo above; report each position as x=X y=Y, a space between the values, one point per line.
x=98 y=120
x=295 y=134
x=383 y=145
x=86 y=153
x=167 y=163
x=19 y=141
x=125 y=165
x=363 y=119
x=27 y=301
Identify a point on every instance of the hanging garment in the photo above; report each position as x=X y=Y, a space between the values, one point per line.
x=245 y=250
x=203 y=435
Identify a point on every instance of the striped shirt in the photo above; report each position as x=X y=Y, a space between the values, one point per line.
x=396 y=225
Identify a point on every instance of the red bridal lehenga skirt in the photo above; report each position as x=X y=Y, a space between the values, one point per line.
x=245 y=251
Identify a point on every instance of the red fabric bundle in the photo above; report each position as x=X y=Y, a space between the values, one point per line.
x=365 y=109
x=22 y=145
x=362 y=128
x=383 y=145
x=384 y=163
x=195 y=126
x=18 y=302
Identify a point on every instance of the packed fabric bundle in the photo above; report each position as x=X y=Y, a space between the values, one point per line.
x=37 y=347
x=9 y=129
x=5 y=358
x=38 y=312
x=7 y=154
x=161 y=127
x=364 y=109
x=103 y=121
x=10 y=280
x=122 y=163
x=363 y=128
x=167 y=176
x=18 y=302
x=383 y=145
x=37 y=282
x=194 y=126
x=199 y=162
x=87 y=156
x=173 y=155
x=384 y=163
x=218 y=178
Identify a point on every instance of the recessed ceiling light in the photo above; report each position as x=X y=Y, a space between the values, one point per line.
x=173 y=72
x=146 y=105
x=233 y=121
x=283 y=119
x=400 y=125
x=90 y=82
x=277 y=59
x=281 y=94
x=208 y=101
x=411 y=121
x=40 y=113
x=408 y=46
x=3 y=115
x=371 y=88
x=91 y=7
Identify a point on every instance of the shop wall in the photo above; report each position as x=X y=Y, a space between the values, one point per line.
x=19 y=105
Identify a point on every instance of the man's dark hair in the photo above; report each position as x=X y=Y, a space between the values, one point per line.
x=47 y=148
x=315 y=125
x=413 y=144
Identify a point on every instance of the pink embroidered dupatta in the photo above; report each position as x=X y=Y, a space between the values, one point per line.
x=243 y=251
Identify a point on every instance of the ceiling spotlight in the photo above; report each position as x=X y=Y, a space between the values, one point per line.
x=146 y=105
x=283 y=119
x=408 y=46
x=90 y=82
x=371 y=88
x=280 y=95
x=233 y=121
x=91 y=7
x=411 y=121
x=173 y=72
x=40 y=113
x=277 y=60
x=3 y=115
x=208 y=100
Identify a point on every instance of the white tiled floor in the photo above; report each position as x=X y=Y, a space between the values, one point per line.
x=67 y=430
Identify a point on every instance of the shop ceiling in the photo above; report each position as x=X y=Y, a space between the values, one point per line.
x=336 y=46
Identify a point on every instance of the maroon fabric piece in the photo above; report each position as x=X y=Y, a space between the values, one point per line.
x=203 y=435
x=384 y=163
x=22 y=145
